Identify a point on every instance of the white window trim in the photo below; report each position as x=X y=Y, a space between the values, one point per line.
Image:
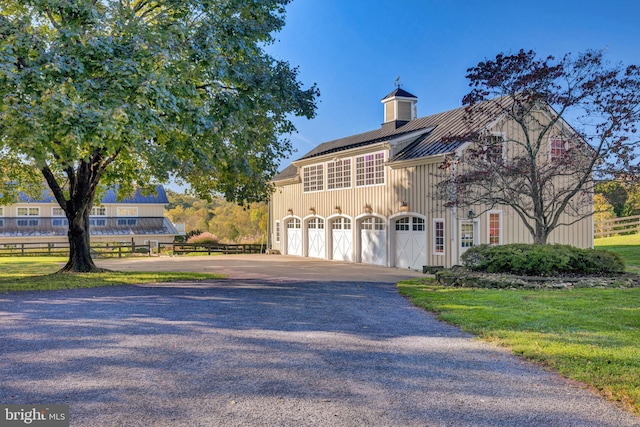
x=351 y=173
x=504 y=144
x=28 y=208
x=127 y=208
x=95 y=208
x=384 y=170
x=444 y=240
x=500 y=227
x=277 y=231
x=57 y=215
x=321 y=182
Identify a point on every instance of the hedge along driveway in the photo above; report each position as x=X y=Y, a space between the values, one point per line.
x=258 y=350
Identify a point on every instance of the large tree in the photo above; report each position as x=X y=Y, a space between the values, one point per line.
x=567 y=121
x=96 y=93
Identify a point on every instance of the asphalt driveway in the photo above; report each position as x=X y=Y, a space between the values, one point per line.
x=282 y=342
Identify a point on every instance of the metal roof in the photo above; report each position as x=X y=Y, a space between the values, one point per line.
x=438 y=127
x=99 y=226
x=110 y=196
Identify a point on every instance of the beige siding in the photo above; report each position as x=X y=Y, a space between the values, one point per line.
x=414 y=184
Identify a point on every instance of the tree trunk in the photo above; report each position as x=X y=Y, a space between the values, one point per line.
x=80 y=260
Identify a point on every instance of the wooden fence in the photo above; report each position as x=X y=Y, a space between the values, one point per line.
x=127 y=249
x=62 y=249
x=209 y=248
x=617 y=226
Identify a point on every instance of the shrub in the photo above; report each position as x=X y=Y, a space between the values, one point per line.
x=204 y=237
x=541 y=260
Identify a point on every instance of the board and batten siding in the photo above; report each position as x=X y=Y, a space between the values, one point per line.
x=410 y=185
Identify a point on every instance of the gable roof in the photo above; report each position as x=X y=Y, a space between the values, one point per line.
x=436 y=128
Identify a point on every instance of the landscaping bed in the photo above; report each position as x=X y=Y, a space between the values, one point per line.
x=463 y=277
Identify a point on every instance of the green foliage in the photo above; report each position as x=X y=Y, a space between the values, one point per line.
x=135 y=92
x=623 y=197
x=229 y=221
x=541 y=260
x=589 y=335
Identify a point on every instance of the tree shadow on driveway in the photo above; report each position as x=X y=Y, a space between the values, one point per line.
x=269 y=352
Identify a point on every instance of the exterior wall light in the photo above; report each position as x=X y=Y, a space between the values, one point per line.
x=312 y=211
x=471 y=214
x=404 y=206
x=290 y=211
x=338 y=210
x=368 y=208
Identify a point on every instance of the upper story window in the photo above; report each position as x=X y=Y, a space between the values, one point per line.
x=313 y=178
x=57 y=212
x=339 y=174
x=370 y=169
x=277 y=231
x=100 y=211
x=126 y=211
x=28 y=211
x=557 y=148
x=492 y=148
x=1 y=211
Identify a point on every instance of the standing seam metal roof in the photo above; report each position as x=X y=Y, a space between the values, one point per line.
x=445 y=125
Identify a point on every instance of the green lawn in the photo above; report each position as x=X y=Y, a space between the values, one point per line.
x=38 y=273
x=627 y=246
x=589 y=335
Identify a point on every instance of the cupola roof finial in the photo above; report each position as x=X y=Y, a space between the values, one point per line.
x=397 y=82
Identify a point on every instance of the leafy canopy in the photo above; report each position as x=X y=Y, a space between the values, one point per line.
x=135 y=92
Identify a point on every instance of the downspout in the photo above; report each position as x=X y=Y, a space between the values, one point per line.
x=269 y=219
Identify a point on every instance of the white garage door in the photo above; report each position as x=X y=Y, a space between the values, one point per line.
x=411 y=243
x=294 y=237
x=341 y=240
x=316 y=238
x=373 y=240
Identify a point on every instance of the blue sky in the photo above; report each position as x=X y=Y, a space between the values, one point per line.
x=355 y=49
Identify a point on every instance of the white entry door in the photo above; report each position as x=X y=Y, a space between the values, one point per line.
x=341 y=240
x=316 y=238
x=373 y=242
x=411 y=243
x=294 y=237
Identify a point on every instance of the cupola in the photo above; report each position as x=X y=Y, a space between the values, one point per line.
x=399 y=108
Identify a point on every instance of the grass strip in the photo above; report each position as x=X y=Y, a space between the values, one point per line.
x=589 y=335
x=39 y=274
